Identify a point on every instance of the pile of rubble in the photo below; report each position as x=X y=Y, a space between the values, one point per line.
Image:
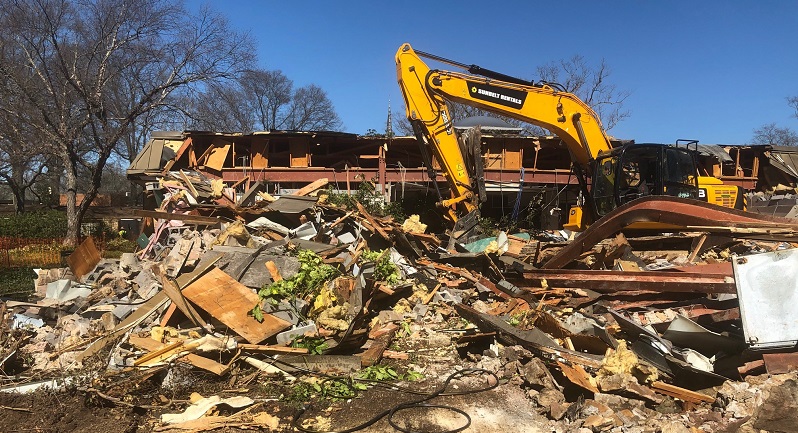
x=651 y=333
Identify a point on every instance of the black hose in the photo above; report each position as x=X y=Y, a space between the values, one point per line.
x=416 y=404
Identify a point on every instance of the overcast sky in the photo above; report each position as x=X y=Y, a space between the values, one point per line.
x=707 y=70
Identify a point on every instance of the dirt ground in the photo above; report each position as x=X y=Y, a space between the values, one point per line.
x=76 y=411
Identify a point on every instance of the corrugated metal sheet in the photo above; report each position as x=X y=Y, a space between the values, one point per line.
x=785 y=158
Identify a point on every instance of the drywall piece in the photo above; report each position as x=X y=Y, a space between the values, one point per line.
x=292 y=204
x=84 y=258
x=265 y=223
x=23 y=321
x=230 y=302
x=306 y=231
x=767 y=287
x=287 y=336
x=62 y=291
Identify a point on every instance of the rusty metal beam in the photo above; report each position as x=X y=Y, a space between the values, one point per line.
x=393 y=175
x=621 y=281
x=680 y=213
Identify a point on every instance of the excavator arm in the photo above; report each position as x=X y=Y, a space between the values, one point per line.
x=426 y=91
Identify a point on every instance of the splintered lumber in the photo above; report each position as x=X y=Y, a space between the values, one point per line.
x=198 y=361
x=273 y=271
x=179 y=301
x=84 y=258
x=271 y=350
x=374 y=353
x=309 y=188
x=681 y=393
x=189 y=184
x=230 y=302
x=365 y=214
x=578 y=376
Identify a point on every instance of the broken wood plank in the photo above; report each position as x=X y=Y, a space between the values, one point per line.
x=374 y=353
x=533 y=339
x=313 y=186
x=230 y=302
x=189 y=184
x=392 y=354
x=578 y=376
x=372 y=221
x=681 y=393
x=179 y=301
x=431 y=294
x=273 y=271
x=217 y=156
x=162 y=350
x=206 y=263
x=168 y=314
x=697 y=249
x=239 y=182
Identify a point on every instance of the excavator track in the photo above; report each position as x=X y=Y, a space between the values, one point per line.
x=682 y=215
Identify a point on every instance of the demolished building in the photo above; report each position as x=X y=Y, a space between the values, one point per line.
x=275 y=283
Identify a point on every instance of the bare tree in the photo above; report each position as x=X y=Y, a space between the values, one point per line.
x=591 y=85
x=775 y=136
x=222 y=107
x=312 y=110
x=792 y=101
x=269 y=92
x=22 y=162
x=264 y=100
x=69 y=59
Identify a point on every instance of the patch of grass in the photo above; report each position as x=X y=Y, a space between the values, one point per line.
x=17 y=283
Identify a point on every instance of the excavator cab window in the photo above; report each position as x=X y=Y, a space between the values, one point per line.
x=639 y=174
x=639 y=170
x=681 y=174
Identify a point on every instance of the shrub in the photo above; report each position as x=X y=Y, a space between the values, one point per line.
x=35 y=225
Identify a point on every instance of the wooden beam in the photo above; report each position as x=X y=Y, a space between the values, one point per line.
x=681 y=393
x=313 y=186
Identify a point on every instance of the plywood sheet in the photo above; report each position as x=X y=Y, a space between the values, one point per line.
x=217 y=156
x=299 y=153
x=230 y=302
x=84 y=259
x=260 y=153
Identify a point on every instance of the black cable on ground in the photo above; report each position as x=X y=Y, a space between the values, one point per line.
x=420 y=403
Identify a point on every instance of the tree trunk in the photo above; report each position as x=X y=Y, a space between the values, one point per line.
x=17 y=186
x=73 y=220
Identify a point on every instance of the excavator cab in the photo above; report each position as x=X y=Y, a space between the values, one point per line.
x=637 y=170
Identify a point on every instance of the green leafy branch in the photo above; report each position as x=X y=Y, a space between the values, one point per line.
x=313 y=273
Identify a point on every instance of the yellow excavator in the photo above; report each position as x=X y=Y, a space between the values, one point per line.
x=608 y=177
